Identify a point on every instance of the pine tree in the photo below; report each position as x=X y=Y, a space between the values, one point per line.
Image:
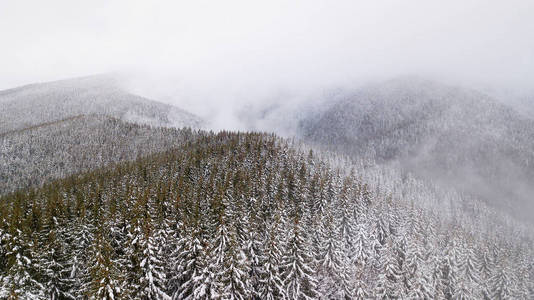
x=362 y=250
x=298 y=275
x=486 y=268
x=500 y=285
x=330 y=270
x=187 y=259
x=153 y=280
x=232 y=266
x=20 y=280
x=233 y=277
x=206 y=285
x=421 y=286
x=105 y=278
x=251 y=241
x=413 y=262
x=449 y=269
x=345 y=215
x=469 y=269
x=80 y=240
x=462 y=292
x=388 y=284
x=271 y=285
x=136 y=243
x=361 y=290
x=209 y=282
x=54 y=264
x=382 y=230
x=4 y=237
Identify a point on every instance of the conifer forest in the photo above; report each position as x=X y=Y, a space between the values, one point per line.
x=247 y=216
x=266 y=150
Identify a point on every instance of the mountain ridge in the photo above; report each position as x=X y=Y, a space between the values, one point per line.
x=458 y=136
x=36 y=155
x=246 y=215
x=98 y=207
x=44 y=102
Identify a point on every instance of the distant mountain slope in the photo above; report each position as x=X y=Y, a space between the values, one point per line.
x=31 y=157
x=455 y=136
x=38 y=103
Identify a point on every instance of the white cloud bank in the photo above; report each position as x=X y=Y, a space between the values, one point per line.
x=189 y=52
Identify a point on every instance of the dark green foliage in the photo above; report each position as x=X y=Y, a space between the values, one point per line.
x=233 y=216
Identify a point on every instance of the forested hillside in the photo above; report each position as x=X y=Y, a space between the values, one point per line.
x=458 y=137
x=35 y=104
x=33 y=156
x=241 y=216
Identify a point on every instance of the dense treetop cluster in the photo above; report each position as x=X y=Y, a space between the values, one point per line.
x=241 y=216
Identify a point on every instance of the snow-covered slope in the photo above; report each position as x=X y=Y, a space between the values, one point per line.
x=34 y=104
x=247 y=216
x=36 y=155
x=459 y=137
x=179 y=212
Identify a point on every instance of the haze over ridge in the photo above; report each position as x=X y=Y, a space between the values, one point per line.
x=197 y=53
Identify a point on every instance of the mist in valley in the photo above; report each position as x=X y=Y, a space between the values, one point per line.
x=413 y=120
x=271 y=66
x=274 y=66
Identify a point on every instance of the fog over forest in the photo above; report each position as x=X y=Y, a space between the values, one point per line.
x=210 y=57
x=266 y=149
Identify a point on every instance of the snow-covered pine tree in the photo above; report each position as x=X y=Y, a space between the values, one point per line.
x=55 y=263
x=449 y=268
x=500 y=284
x=362 y=250
x=105 y=277
x=530 y=282
x=486 y=267
x=207 y=215
x=382 y=229
x=186 y=255
x=389 y=281
x=20 y=280
x=206 y=284
x=3 y=251
x=233 y=271
x=412 y=262
x=153 y=278
x=186 y=260
x=271 y=284
x=209 y=283
x=345 y=215
x=298 y=275
x=469 y=269
x=421 y=285
x=132 y=261
x=251 y=242
x=330 y=264
x=233 y=276
x=463 y=292
x=80 y=240
x=361 y=290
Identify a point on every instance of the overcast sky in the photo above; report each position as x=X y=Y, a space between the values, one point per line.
x=233 y=47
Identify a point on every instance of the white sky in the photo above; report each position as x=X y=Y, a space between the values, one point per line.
x=230 y=48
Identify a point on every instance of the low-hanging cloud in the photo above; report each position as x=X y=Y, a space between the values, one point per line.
x=210 y=56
